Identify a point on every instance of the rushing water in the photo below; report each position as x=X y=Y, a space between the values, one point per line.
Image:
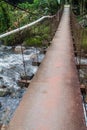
x=83 y=80
x=11 y=70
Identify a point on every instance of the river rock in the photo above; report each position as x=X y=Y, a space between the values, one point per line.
x=33 y=57
x=86 y=99
x=3 y=92
x=18 y=49
x=27 y=77
x=3 y=127
x=83 y=22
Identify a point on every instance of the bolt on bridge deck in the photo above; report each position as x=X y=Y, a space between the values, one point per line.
x=53 y=100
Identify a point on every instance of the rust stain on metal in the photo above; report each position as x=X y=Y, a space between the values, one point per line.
x=60 y=108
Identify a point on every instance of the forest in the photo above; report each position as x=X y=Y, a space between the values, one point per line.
x=29 y=8
x=15 y=13
x=18 y=13
x=7 y=9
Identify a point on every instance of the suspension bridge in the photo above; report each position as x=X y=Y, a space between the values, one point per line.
x=53 y=100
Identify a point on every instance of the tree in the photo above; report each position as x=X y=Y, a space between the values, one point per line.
x=4 y=17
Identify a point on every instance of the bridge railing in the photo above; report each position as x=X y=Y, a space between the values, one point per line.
x=46 y=24
x=79 y=34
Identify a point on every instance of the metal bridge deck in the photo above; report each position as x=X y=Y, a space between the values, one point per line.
x=53 y=100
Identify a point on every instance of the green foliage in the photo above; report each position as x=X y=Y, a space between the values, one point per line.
x=39 y=35
x=49 y=6
x=84 y=41
x=8 y=40
x=45 y=36
x=42 y=6
x=46 y=29
x=35 y=41
x=4 y=17
x=11 y=18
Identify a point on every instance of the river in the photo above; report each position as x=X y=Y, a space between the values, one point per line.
x=11 y=71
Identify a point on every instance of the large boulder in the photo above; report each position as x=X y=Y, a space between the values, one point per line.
x=19 y=49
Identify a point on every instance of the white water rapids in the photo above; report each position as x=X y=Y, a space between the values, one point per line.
x=11 y=70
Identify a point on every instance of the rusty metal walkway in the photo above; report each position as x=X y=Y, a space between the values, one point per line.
x=53 y=100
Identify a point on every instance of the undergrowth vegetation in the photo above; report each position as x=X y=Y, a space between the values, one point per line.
x=84 y=41
x=13 y=17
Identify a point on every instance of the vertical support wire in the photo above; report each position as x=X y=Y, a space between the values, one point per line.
x=24 y=63
x=36 y=45
x=80 y=48
x=23 y=60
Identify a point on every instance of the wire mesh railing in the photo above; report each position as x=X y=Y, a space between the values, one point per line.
x=79 y=34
